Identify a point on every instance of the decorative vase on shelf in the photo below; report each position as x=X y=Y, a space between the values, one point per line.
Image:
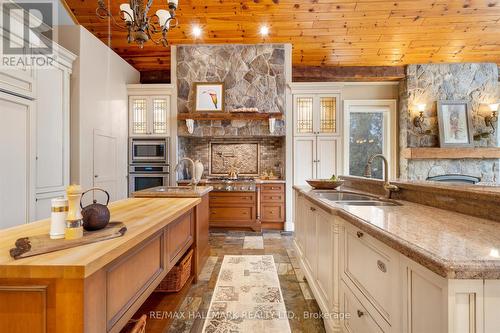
x=198 y=171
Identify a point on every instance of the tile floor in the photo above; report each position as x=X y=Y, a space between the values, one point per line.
x=298 y=298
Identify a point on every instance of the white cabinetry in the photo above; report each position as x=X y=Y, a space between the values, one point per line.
x=17 y=117
x=149 y=110
x=316 y=136
x=379 y=289
x=316 y=243
x=52 y=136
x=34 y=139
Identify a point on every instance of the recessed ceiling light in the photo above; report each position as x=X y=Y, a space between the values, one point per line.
x=264 y=30
x=196 y=31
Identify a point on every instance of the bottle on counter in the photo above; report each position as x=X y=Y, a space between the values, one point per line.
x=74 y=223
x=58 y=218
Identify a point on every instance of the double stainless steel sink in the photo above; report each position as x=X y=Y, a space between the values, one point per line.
x=350 y=199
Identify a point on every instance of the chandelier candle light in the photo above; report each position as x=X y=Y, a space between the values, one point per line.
x=141 y=27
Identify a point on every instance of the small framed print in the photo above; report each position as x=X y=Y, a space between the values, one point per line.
x=455 y=124
x=209 y=96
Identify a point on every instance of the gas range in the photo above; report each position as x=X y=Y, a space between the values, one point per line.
x=225 y=184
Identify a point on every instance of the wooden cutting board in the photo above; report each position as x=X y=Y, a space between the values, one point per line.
x=40 y=244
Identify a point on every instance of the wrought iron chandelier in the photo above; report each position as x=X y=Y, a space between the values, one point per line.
x=141 y=27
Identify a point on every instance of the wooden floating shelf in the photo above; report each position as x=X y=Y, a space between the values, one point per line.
x=450 y=153
x=229 y=115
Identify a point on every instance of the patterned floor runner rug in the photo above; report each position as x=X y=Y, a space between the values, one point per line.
x=247 y=297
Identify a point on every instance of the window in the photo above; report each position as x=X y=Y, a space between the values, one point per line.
x=369 y=130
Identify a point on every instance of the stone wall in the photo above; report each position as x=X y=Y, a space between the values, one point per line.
x=272 y=152
x=253 y=77
x=476 y=83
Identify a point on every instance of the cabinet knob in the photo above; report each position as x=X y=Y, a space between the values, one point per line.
x=313 y=209
x=381 y=266
x=360 y=313
x=96 y=176
x=359 y=234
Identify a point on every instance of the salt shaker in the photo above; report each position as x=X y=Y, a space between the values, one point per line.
x=58 y=217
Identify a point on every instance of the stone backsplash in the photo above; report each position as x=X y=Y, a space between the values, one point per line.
x=253 y=76
x=271 y=151
x=473 y=82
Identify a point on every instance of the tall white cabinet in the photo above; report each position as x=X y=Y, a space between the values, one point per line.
x=316 y=136
x=34 y=139
x=52 y=135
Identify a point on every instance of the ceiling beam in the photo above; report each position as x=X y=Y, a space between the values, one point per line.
x=314 y=74
x=347 y=73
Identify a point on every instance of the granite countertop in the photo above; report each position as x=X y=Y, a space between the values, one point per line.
x=453 y=245
x=173 y=192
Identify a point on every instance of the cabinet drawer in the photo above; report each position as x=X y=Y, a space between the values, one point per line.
x=232 y=214
x=272 y=197
x=360 y=320
x=232 y=198
x=179 y=236
x=272 y=188
x=372 y=267
x=272 y=213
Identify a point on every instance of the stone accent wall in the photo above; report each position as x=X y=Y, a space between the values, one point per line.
x=476 y=83
x=253 y=76
x=272 y=152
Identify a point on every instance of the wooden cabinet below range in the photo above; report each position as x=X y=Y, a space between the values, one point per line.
x=234 y=209
x=272 y=205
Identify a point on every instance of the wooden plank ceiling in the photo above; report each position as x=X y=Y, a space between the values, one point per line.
x=323 y=32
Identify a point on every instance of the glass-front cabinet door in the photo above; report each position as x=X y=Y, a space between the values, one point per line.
x=316 y=114
x=138 y=115
x=327 y=122
x=303 y=114
x=149 y=115
x=160 y=115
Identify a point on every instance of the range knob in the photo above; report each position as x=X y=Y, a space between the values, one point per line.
x=243 y=188
x=228 y=188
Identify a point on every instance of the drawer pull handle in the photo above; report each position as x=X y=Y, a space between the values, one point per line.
x=360 y=313
x=313 y=209
x=381 y=266
x=359 y=234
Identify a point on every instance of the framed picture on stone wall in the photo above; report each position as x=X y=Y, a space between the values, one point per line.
x=209 y=96
x=455 y=124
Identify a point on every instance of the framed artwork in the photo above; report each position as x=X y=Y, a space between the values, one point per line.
x=209 y=96
x=455 y=124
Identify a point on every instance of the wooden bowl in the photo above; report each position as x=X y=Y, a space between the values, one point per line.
x=324 y=184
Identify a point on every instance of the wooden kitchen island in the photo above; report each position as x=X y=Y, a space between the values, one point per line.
x=95 y=287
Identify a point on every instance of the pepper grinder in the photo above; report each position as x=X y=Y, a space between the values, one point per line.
x=74 y=224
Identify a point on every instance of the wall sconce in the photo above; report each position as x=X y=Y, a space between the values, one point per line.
x=493 y=118
x=418 y=121
x=190 y=125
x=272 y=125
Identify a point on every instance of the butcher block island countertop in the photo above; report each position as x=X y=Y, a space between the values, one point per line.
x=95 y=287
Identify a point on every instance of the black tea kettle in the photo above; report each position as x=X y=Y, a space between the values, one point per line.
x=95 y=216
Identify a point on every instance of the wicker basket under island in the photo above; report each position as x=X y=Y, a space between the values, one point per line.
x=178 y=275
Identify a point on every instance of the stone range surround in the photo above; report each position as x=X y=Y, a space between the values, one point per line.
x=428 y=83
x=253 y=76
x=272 y=152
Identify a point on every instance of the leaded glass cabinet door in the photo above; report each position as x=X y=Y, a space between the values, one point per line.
x=139 y=115
x=326 y=115
x=304 y=114
x=159 y=115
